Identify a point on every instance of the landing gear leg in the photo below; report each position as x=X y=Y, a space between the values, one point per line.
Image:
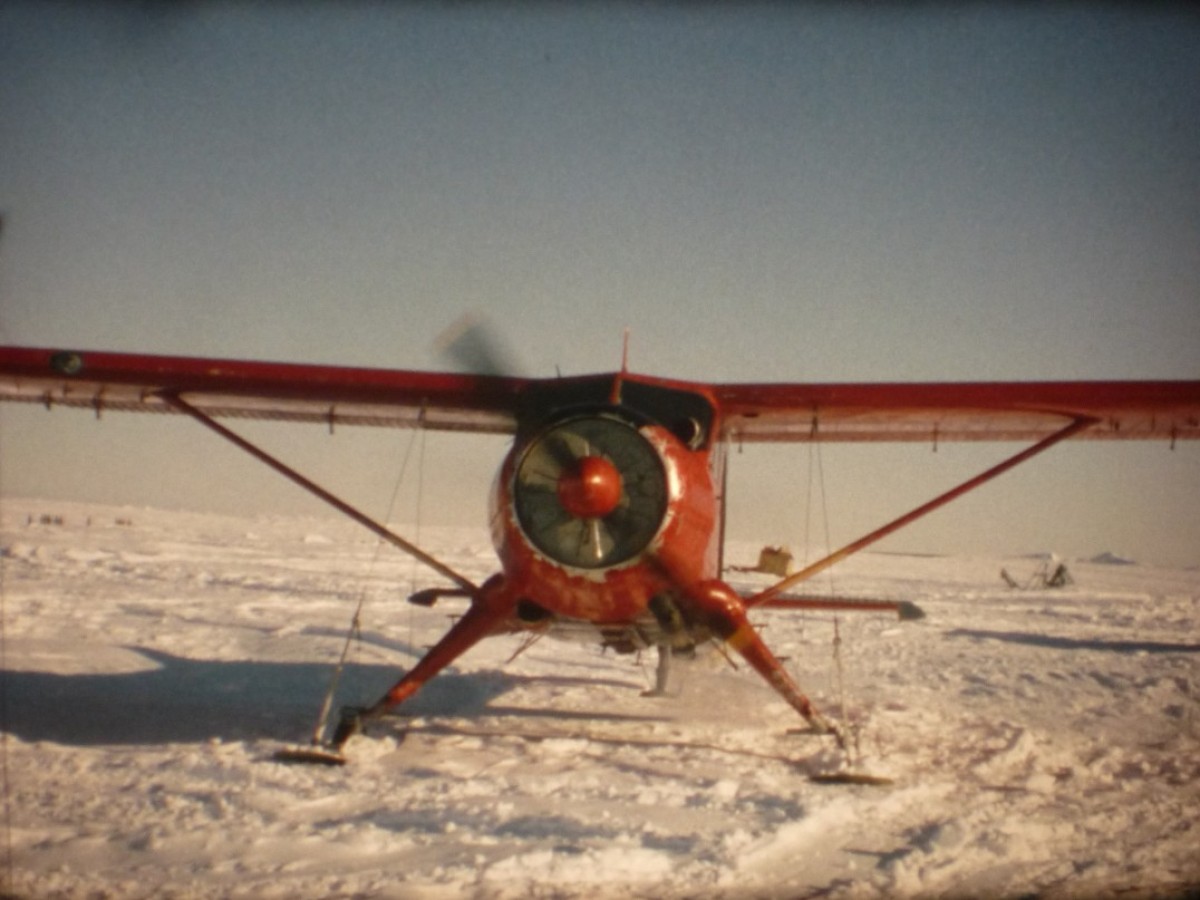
x=722 y=610
x=490 y=607
x=662 y=672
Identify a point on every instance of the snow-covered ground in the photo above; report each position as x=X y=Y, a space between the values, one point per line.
x=1040 y=742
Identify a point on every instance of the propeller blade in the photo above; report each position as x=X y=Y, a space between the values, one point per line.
x=475 y=347
x=560 y=450
x=547 y=462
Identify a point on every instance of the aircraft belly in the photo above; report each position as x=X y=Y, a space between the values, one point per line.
x=643 y=633
x=618 y=596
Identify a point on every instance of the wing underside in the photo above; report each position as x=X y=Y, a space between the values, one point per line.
x=936 y=412
x=332 y=396
x=340 y=396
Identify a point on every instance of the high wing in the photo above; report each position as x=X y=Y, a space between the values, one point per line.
x=980 y=411
x=335 y=396
x=330 y=395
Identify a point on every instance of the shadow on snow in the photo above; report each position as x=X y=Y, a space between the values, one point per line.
x=186 y=701
x=1064 y=643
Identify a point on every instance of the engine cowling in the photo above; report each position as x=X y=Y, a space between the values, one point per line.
x=590 y=492
x=594 y=514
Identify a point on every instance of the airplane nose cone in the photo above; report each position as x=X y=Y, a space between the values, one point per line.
x=590 y=488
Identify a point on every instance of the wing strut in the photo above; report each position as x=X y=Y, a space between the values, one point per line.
x=773 y=592
x=316 y=490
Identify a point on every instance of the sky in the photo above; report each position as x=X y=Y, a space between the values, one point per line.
x=759 y=192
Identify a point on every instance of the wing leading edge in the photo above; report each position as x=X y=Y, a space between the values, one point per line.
x=330 y=395
x=336 y=396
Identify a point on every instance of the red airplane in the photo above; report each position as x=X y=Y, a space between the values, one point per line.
x=607 y=511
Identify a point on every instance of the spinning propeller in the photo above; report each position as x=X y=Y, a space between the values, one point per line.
x=473 y=345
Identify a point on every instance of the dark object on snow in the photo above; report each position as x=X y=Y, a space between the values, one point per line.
x=1053 y=574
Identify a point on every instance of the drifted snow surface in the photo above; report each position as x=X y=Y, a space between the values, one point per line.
x=1040 y=743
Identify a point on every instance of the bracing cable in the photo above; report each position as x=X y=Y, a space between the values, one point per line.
x=354 y=631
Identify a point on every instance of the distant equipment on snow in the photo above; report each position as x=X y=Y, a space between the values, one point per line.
x=771 y=561
x=775 y=561
x=1052 y=574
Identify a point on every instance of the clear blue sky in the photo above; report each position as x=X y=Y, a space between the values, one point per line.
x=803 y=192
